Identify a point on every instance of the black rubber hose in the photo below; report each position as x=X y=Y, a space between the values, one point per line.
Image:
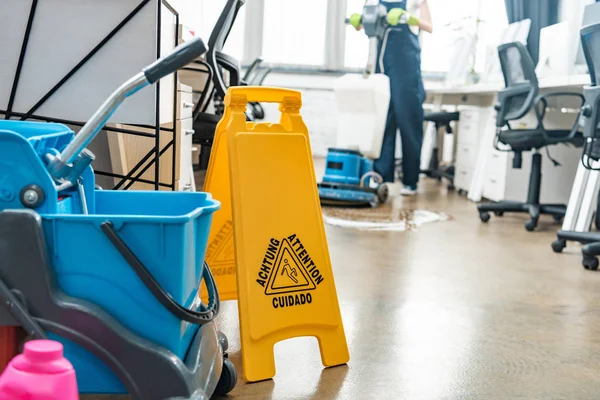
x=208 y=314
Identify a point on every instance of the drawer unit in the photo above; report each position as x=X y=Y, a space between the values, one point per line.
x=466 y=155
x=494 y=187
x=497 y=169
x=184 y=148
x=462 y=177
x=469 y=125
x=185 y=105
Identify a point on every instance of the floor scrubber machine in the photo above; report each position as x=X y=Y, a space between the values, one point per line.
x=362 y=102
x=113 y=275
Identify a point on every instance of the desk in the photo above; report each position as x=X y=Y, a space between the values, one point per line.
x=489 y=173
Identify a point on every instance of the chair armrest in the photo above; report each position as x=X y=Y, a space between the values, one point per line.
x=252 y=69
x=505 y=114
x=232 y=65
x=542 y=100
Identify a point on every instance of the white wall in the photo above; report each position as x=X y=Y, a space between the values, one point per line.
x=571 y=11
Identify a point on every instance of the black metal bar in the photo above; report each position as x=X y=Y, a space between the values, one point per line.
x=134 y=169
x=86 y=58
x=170 y=8
x=15 y=85
x=157 y=105
x=120 y=176
x=174 y=152
x=151 y=127
x=140 y=173
x=78 y=123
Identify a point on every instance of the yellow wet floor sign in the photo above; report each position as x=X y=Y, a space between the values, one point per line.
x=220 y=254
x=285 y=280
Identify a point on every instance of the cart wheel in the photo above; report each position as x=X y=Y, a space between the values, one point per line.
x=223 y=341
x=557 y=218
x=451 y=187
x=499 y=213
x=460 y=192
x=590 y=263
x=531 y=225
x=484 y=216
x=32 y=196
x=382 y=193
x=227 y=380
x=558 y=245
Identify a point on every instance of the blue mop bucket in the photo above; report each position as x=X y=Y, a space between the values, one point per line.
x=168 y=232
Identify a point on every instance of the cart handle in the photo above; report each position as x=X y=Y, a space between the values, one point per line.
x=61 y=167
x=208 y=312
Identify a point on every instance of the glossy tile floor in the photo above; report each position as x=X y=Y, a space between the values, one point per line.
x=453 y=310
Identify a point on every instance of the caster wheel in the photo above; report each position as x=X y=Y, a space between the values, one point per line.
x=451 y=187
x=223 y=341
x=460 y=192
x=484 y=216
x=531 y=225
x=499 y=213
x=558 y=245
x=382 y=193
x=557 y=219
x=227 y=380
x=590 y=263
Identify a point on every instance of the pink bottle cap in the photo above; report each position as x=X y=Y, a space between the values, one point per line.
x=43 y=351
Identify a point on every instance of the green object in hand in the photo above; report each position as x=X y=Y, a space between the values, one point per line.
x=395 y=15
x=355 y=20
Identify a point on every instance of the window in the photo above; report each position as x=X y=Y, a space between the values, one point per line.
x=294 y=32
x=357 y=43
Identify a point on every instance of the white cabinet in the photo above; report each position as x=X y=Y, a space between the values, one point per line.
x=503 y=182
x=471 y=124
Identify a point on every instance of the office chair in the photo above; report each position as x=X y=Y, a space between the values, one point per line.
x=518 y=97
x=590 y=119
x=255 y=76
x=441 y=119
x=218 y=62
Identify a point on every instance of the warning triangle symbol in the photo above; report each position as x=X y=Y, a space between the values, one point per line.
x=224 y=254
x=289 y=274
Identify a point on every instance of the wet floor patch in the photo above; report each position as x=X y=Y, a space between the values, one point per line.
x=383 y=218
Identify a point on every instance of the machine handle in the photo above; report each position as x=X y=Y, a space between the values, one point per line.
x=209 y=313
x=182 y=55
x=61 y=167
x=262 y=94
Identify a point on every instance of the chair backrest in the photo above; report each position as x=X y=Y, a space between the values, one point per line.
x=590 y=41
x=217 y=40
x=520 y=80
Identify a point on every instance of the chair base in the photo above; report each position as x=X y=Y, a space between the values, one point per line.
x=590 y=251
x=532 y=206
x=534 y=210
x=436 y=172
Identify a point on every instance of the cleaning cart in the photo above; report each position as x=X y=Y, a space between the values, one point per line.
x=362 y=102
x=112 y=275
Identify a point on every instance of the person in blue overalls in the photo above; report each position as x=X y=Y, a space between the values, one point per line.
x=400 y=59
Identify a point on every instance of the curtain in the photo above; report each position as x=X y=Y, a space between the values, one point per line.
x=542 y=13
